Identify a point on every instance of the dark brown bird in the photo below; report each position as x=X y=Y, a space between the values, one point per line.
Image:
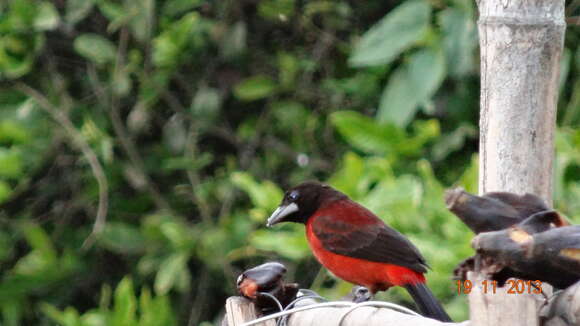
x=267 y=278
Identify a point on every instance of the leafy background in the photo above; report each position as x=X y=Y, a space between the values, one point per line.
x=144 y=143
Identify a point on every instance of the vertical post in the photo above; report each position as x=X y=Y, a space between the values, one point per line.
x=241 y=310
x=521 y=43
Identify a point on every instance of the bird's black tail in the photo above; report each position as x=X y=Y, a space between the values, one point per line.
x=426 y=302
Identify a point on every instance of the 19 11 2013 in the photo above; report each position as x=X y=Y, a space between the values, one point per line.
x=513 y=286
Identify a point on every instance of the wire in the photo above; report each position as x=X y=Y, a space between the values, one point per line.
x=303 y=297
x=283 y=321
x=335 y=304
x=338 y=304
x=308 y=292
x=280 y=308
x=376 y=304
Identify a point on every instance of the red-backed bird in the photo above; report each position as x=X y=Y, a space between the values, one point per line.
x=356 y=245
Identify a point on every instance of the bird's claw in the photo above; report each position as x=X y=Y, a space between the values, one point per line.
x=361 y=294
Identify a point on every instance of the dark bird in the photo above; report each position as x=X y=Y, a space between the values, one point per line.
x=267 y=278
x=496 y=210
x=356 y=245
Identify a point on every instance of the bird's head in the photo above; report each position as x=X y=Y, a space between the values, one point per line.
x=300 y=202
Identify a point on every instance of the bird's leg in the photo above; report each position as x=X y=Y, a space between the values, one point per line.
x=361 y=294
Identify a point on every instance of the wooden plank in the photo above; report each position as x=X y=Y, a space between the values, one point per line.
x=563 y=309
x=240 y=310
x=363 y=316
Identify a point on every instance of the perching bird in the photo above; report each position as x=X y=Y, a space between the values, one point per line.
x=357 y=246
x=256 y=283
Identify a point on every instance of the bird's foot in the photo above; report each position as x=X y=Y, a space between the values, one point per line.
x=361 y=294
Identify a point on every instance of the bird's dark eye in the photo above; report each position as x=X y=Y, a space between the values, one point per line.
x=293 y=195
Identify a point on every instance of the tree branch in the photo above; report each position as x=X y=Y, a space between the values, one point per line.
x=79 y=141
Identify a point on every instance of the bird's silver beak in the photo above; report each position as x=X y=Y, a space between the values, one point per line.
x=280 y=213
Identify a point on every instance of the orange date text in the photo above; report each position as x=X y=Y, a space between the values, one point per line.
x=512 y=286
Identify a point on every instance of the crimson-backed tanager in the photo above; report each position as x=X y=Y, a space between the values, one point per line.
x=356 y=245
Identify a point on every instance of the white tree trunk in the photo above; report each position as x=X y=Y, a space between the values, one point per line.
x=521 y=43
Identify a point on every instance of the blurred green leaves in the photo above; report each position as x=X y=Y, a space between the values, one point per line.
x=180 y=40
x=19 y=16
x=265 y=196
x=397 y=31
x=289 y=68
x=5 y=191
x=368 y=135
x=10 y=163
x=36 y=273
x=122 y=238
x=76 y=10
x=411 y=85
x=459 y=39
x=95 y=48
x=13 y=132
x=365 y=133
x=168 y=243
x=17 y=54
x=173 y=273
x=285 y=244
x=21 y=25
x=440 y=51
x=127 y=309
x=255 y=88
x=234 y=41
x=47 y=17
x=276 y=9
x=206 y=104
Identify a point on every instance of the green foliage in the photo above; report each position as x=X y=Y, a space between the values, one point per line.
x=185 y=36
x=255 y=88
x=265 y=196
x=411 y=85
x=200 y=113
x=396 y=32
x=127 y=309
x=22 y=39
x=459 y=39
x=274 y=9
x=371 y=136
x=123 y=238
x=10 y=163
x=95 y=48
x=34 y=273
